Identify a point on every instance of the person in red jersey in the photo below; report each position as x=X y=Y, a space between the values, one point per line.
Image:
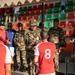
x=44 y=55
x=5 y=60
x=2 y=33
x=3 y=37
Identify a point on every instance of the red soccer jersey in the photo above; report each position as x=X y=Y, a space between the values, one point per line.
x=46 y=52
x=5 y=58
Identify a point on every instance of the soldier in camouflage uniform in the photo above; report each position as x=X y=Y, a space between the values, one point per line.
x=33 y=39
x=56 y=36
x=20 y=48
x=33 y=35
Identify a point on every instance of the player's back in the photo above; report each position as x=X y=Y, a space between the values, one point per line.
x=46 y=56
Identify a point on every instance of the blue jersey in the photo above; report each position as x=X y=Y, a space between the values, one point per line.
x=10 y=35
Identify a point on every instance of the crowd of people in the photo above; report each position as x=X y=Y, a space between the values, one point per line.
x=31 y=46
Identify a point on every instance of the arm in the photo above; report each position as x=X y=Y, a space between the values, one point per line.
x=16 y=40
x=8 y=69
x=8 y=41
x=35 y=59
x=36 y=53
x=26 y=37
x=61 y=38
x=50 y=34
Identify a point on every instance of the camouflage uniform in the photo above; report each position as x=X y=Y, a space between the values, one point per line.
x=56 y=36
x=20 y=50
x=33 y=37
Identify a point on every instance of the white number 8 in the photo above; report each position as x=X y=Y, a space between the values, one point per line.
x=47 y=53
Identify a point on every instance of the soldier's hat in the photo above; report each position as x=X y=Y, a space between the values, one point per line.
x=19 y=24
x=33 y=22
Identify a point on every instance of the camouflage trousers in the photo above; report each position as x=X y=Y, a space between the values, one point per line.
x=30 y=56
x=56 y=61
x=21 y=58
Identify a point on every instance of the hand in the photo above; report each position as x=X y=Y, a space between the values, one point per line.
x=58 y=50
x=8 y=42
x=31 y=64
x=37 y=42
x=71 y=41
x=18 y=44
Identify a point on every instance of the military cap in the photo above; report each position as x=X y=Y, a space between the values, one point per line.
x=19 y=24
x=33 y=22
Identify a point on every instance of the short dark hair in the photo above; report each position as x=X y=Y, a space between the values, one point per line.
x=10 y=24
x=40 y=25
x=56 y=19
x=44 y=35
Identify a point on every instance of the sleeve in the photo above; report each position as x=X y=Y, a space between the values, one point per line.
x=55 y=47
x=49 y=33
x=8 y=56
x=62 y=38
x=15 y=38
x=36 y=51
x=54 y=50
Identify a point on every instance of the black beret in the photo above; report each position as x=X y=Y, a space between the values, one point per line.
x=19 y=24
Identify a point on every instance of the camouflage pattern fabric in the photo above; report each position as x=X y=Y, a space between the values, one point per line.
x=21 y=54
x=56 y=61
x=56 y=36
x=20 y=50
x=19 y=38
x=26 y=36
x=33 y=37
